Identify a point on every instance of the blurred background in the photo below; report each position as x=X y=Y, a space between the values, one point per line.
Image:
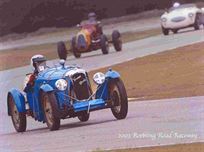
x=20 y=16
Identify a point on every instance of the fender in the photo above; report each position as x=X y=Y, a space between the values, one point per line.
x=18 y=99
x=112 y=74
x=102 y=91
x=46 y=88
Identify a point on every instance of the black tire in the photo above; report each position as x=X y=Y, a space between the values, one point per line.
x=61 y=50
x=117 y=42
x=50 y=110
x=197 y=22
x=74 y=49
x=18 y=118
x=104 y=44
x=175 y=31
x=84 y=116
x=165 y=31
x=118 y=96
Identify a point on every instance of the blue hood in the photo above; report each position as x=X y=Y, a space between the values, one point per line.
x=53 y=73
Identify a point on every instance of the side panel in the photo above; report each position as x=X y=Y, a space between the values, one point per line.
x=18 y=99
x=37 y=107
x=102 y=91
x=112 y=74
x=46 y=88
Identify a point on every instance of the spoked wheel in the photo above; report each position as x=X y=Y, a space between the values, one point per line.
x=119 y=99
x=84 y=116
x=50 y=110
x=18 y=118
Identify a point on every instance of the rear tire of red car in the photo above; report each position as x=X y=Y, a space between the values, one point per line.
x=197 y=22
x=84 y=116
x=117 y=42
x=18 y=118
x=61 y=50
x=104 y=44
x=118 y=96
x=74 y=49
x=165 y=31
x=50 y=110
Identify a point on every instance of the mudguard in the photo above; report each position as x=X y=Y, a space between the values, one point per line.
x=46 y=88
x=112 y=74
x=18 y=99
x=102 y=91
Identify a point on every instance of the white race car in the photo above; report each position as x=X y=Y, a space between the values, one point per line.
x=183 y=16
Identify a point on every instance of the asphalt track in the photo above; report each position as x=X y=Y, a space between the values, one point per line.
x=103 y=131
x=130 y=26
x=149 y=123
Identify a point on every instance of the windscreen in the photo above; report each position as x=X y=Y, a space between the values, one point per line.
x=182 y=7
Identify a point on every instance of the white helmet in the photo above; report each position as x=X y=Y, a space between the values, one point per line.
x=36 y=60
x=176 y=4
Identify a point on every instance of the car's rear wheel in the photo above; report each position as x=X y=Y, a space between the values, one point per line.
x=104 y=44
x=175 y=31
x=118 y=97
x=117 y=42
x=50 y=110
x=83 y=116
x=18 y=118
x=61 y=50
x=165 y=31
x=197 y=22
x=74 y=49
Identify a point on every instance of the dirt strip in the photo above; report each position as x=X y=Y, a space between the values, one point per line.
x=170 y=74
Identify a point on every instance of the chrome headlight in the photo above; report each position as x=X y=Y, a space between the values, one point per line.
x=163 y=19
x=61 y=84
x=99 y=78
x=190 y=15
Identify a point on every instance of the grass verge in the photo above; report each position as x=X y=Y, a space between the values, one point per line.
x=170 y=74
x=20 y=57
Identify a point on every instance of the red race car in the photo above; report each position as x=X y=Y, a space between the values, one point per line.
x=90 y=38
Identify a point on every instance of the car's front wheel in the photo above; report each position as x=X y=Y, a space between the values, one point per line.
x=165 y=31
x=50 y=110
x=84 y=116
x=175 y=31
x=74 y=49
x=18 y=118
x=104 y=44
x=197 y=22
x=118 y=97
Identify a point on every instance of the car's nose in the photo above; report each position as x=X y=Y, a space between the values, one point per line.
x=81 y=42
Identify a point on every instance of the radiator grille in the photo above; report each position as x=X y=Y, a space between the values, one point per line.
x=81 y=86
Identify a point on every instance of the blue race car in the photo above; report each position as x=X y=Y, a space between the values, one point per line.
x=64 y=92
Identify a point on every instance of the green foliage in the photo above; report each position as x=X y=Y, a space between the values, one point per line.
x=29 y=15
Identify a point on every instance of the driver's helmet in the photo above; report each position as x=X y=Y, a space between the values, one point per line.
x=38 y=63
x=92 y=16
x=176 y=4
